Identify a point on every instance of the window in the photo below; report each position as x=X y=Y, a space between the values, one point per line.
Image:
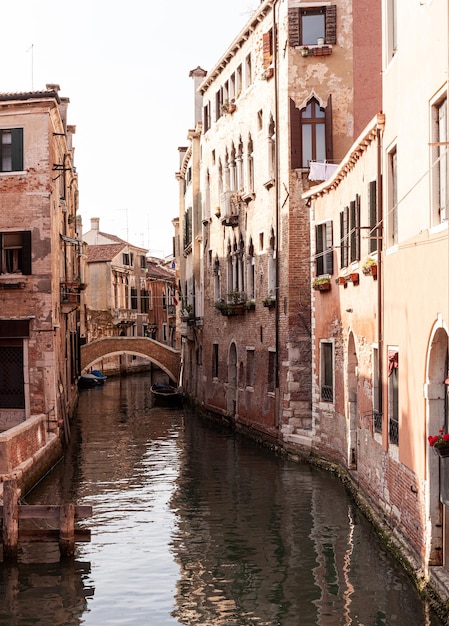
x=12 y=389
x=134 y=298
x=311 y=133
x=392 y=198
x=377 y=409
x=392 y=26
x=248 y=71
x=250 y=367
x=11 y=150
x=324 y=255
x=206 y=117
x=188 y=227
x=327 y=372
x=127 y=258
x=143 y=262
x=439 y=161
x=271 y=381
x=215 y=360
x=393 y=396
x=15 y=252
x=306 y=25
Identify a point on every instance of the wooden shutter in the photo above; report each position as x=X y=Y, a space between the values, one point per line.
x=357 y=227
x=319 y=248
x=328 y=130
x=344 y=219
x=329 y=248
x=267 y=48
x=372 y=209
x=294 y=27
x=295 y=137
x=353 y=231
x=331 y=24
x=26 y=252
x=17 y=149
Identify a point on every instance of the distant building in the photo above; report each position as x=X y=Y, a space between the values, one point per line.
x=117 y=297
x=160 y=283
x=41 y=270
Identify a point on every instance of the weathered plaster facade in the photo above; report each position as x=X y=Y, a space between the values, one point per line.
x=41 y=263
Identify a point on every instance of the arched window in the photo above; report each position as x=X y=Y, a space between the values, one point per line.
x=311 y=133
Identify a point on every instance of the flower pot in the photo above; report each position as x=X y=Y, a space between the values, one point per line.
x=322 y=286
x=442 y=451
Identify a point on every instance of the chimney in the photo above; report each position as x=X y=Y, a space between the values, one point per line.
x=95 y=223
x=198 y=75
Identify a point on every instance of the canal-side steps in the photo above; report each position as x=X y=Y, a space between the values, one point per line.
x=11 y=513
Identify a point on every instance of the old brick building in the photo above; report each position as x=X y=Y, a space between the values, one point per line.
x=41 y=265
x=282 y=100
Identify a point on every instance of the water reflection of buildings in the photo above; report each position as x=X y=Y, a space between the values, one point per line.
x=44 y=593
x=261 y=540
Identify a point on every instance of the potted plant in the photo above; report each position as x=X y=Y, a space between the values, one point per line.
x=305 y=50
x=370 y=267
x=354 y=277
x=250 y=305
x=322 y=283
x=269 y=302
x=440 y=443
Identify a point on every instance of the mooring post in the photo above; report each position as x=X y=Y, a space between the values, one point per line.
x=10 y=519
x=67 y=530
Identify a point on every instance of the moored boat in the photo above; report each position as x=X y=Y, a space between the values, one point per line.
x=165 y=394
x=91 y=379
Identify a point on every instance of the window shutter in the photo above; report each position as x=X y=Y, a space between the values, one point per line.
x=328 y=130
x=331 y=24
x=294 y=27
x=372 y=208
x=1 y=253
x=319 y=260
x=344 y=215
x=17 y=149
x=26 y=252
x=329 y=248
x=357 y=227
x=353 y=231
x=266 y=44
x=295 y=137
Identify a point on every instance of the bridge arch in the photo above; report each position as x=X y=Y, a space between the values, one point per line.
x=168 y=359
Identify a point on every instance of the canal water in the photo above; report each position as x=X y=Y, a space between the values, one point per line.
x=195 y=525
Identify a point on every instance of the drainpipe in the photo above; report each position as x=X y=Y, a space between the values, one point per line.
x=380 y=217
x=276 y=250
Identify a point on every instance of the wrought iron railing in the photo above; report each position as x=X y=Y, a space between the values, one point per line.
x=377 y=421
x=393 y=431
x=327 y=393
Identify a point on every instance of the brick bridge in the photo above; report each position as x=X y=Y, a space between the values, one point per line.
x=168 y=359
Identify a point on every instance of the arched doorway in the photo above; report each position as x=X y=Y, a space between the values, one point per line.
x=438 y=469
x=231 y=398
x=351 y=412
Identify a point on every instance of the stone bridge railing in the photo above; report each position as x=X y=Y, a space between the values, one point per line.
x=168 y=359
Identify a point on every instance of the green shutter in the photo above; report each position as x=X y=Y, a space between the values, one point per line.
x=372 y=208
x=329 y=248
x=17 y=149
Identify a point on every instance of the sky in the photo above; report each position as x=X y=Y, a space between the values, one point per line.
x=125 y=68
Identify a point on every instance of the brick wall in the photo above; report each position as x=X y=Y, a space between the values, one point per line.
x=20 y=443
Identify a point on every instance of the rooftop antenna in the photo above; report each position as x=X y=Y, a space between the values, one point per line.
x=32 y=65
